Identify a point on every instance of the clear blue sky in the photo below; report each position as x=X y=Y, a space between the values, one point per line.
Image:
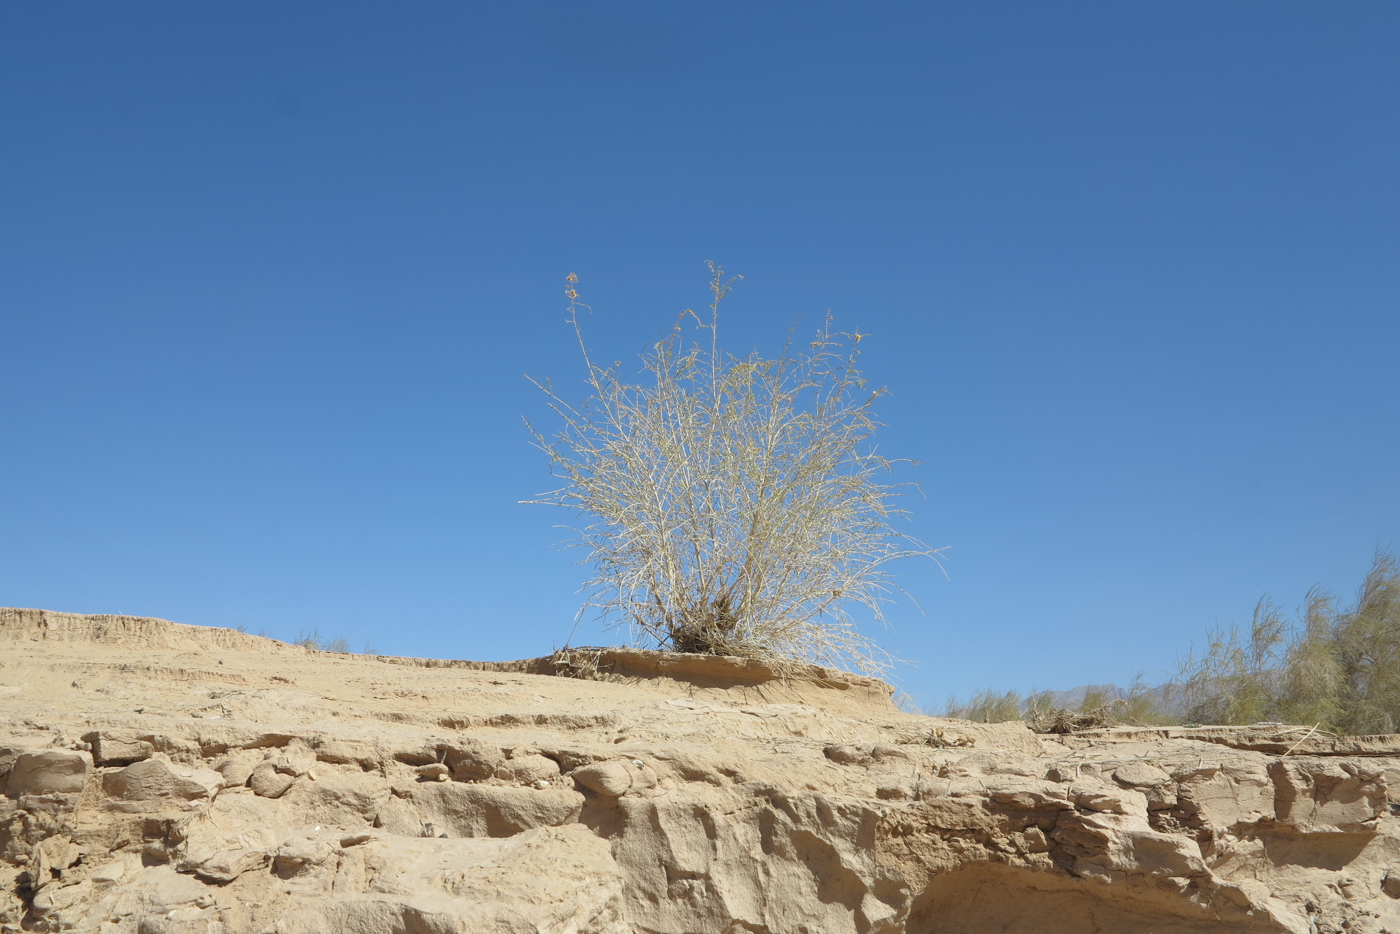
x=271 y=275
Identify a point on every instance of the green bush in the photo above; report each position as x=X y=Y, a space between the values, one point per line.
x=732 y=505
x=1338 y=669
x=986 y=706
x=1038 y=710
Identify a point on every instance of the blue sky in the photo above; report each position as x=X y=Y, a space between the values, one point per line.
x=271 y=275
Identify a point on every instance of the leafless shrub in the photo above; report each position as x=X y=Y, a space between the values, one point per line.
x=732 y=506
x=312 y=640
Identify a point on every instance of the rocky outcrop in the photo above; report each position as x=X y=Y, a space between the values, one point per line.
x=175 y=787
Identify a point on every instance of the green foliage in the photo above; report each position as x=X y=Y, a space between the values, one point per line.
x=1141 y=707
x=1234 y=681
x=1093 y=700
x=1042 y=714
x=1336 y=668
x=732 y=506
x=987 y=706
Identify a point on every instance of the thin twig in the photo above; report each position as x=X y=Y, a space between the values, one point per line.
x=1304 y=739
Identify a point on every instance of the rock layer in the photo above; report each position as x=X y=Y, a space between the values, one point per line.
x=167 y=779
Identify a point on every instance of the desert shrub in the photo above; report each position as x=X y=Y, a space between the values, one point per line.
x=1235 y=680
x=313 y=640
x=1334 y=668
x=986 y=706
x=1041 y=713
x=1338 y=669
x=1366 y=652
x=732 y=505
x=1143 y=706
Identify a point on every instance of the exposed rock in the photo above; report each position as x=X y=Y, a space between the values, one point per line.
x=435 y=772
x=301 y=855
x=266 y=781
x=118 y=747
x=295 y=759
x=464 y=810
x=611 y=779
x=474 y=762
x=1318 y=796
x=156 y=782
x=528 y=769
x=1228 y=793
x=9 y=752
x=47 y=772
x=236 y=770
x=1140 y=775
x=222 y=857
x=274 y=789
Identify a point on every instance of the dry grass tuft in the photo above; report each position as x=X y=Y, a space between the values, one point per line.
x=314 y=641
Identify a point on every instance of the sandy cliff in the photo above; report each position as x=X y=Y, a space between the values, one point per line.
x=166 y=779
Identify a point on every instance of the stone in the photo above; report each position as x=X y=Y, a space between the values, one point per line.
x=555 y=881
x=1315 y=795
x=528 y=769
x=463 y=809
x=158 y=781
x=120 y=747
x=267 y=782
x=221 y=857
x=1140 y=775
x=235 y=770
x=1225 y=793
x=109 y=872
x=8 y=754
x=611 y=779
x=50 y=858
x=474 y=762
x=1095 y=795
x=51 y=771
x=1161 y=797
x=847 y=754
x=299 y=855
x=296 y=759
